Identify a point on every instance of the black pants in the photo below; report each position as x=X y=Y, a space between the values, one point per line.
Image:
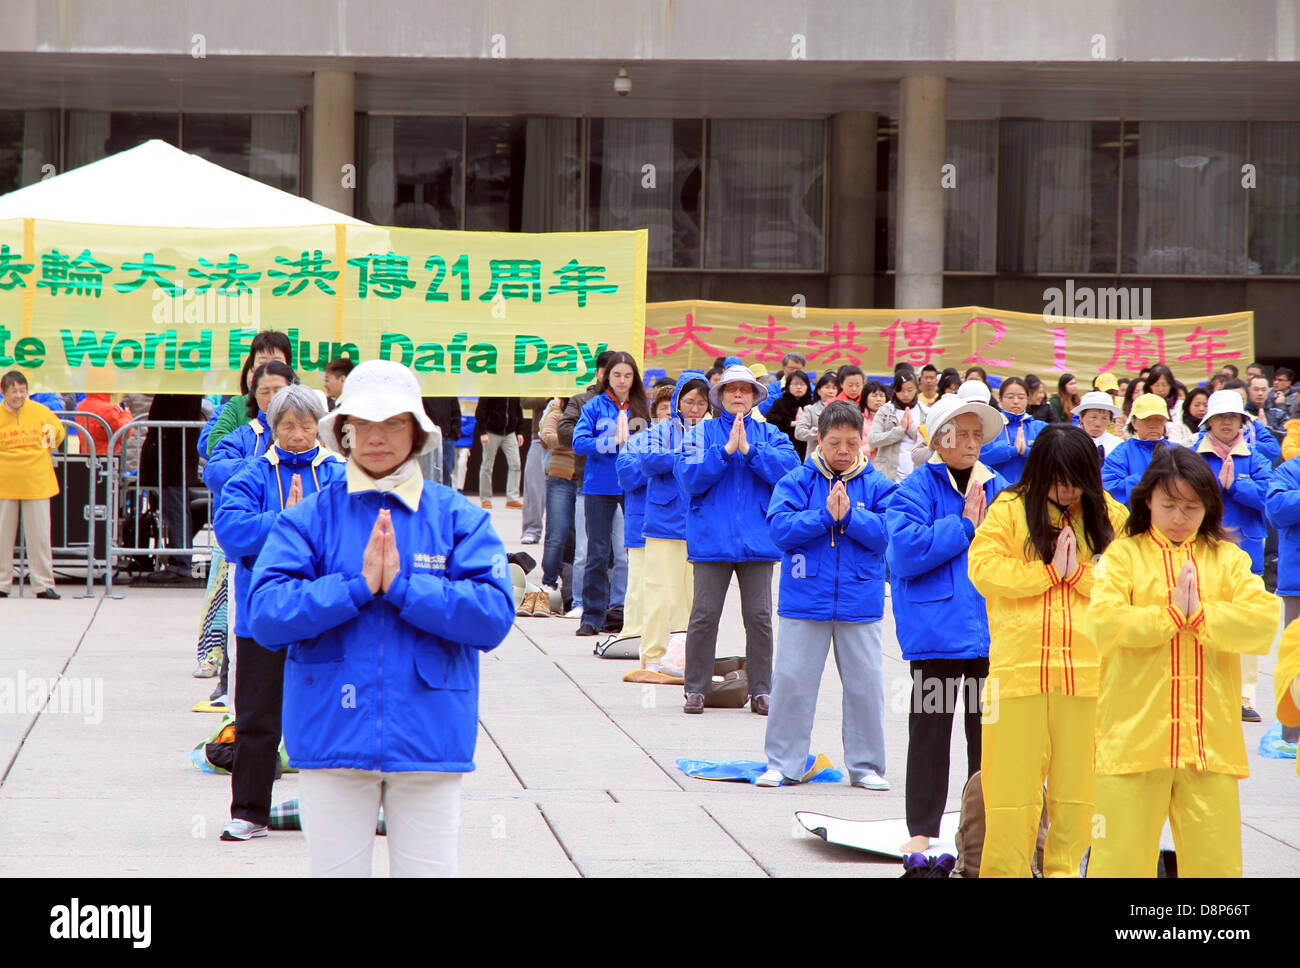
x=936 y=685
x=259 y=689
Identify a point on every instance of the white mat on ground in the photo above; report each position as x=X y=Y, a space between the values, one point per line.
x=879 y=837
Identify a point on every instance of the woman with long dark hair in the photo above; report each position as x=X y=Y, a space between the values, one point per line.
x=1038 y=407
x=1032 y=560
x=826 y=389
x=617 y=411
x=893 y=432
x=1065 y=399
x=1194 y=407
x=1173 y=609
x=784 y=414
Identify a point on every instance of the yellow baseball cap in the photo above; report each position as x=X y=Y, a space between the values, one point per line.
x=1107 y=382
x=758 y=369
x=1150 y=405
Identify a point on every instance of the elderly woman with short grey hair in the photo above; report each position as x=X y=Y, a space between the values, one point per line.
x=292 y=470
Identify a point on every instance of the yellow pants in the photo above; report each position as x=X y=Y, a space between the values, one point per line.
x=634 y=598
x=1204 y=814
x=1031 y=739
x=669 y=592
x=1249 y=676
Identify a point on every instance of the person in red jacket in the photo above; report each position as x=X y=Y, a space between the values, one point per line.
x=117 y=417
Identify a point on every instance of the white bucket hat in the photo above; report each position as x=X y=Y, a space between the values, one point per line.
x=377 y=390
x=1221 y=402
x=1097 y=400
x=732 y=374
x=976 y=390
x=949 y=407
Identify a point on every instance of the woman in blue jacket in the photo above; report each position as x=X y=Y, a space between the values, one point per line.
x=1124 y=466
x=728 y=467
x=385 y=588
x=828 y=518
x=253 y=438
x=609 y=419
x=939 y=617
x=669 y=580
x=1007 y=451
x=1243 y=473
x=294 y=467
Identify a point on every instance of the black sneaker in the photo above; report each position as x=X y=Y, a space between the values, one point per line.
x=587 y=630
x=1248 y=712
x=49 y=594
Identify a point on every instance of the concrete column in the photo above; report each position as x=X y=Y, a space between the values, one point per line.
x=333 y=138
x=851 y=214
x=919 y=259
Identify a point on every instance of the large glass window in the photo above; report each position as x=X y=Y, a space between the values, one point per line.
x=410 y=171
x=646 y=173
x=29 y=141
x=494 y=165
x=93 y=135
x=1183 y=205
x=1275 y=200
x=260 y=146
x=1058 y=196
x=764 y=195
x=970 y=207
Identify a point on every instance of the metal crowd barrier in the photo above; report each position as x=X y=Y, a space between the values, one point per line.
x=122 y=486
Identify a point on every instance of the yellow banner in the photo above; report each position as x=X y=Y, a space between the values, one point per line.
x=99 y=308
x=692 y=333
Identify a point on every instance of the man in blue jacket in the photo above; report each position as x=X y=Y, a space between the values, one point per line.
x=940 y=619
x=728 y=468
x=828 y=519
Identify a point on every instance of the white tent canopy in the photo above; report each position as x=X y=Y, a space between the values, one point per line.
x=155 y=184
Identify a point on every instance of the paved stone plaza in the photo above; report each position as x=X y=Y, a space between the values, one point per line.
x=576 y=769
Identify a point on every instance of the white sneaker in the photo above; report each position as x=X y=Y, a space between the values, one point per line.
x=770 y=778
x=242 y=830
x=872 y=781
x=575 y=612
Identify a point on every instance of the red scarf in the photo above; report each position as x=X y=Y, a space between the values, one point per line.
x=621 y=406
x=1223 y=450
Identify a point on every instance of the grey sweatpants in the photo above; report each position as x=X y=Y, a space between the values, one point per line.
x=800 y=659
x=535 y=490
x=711 y=581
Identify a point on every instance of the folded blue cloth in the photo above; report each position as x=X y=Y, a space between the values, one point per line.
x=748 y=770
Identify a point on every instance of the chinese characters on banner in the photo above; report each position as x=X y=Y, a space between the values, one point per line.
x=112 y=308
x=694 y=333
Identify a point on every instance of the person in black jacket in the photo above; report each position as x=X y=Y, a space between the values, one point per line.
x=784 y=414
x=500 y=422
x=170 y=462
x=445 y=412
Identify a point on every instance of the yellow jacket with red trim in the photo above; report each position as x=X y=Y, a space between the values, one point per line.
x=1170 y=692
x=1037 y=640
x=1286 y=679
x=26 y=439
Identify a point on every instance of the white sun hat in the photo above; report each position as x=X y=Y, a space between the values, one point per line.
x=732 y=374
x=1097 y=400
x=1222 y=402
x=376 y=390
x=949 y=407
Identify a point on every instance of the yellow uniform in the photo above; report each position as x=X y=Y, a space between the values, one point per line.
x=26 y=439
x=1291 y=442
x=1040 y=702
x=1169 y=740
x=1286 y=679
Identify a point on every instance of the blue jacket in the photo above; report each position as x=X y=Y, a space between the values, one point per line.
x=253 y=499
x=652 y=460
x=1262 y=439
x=1000 y=454
x=593 y=438
x=1243 y=503
x=831 y=570
x=633 y=482
x=938 y=614
x=1283 y=507
x=726 y=519
x=206 y=432
x=382 y=682
x=235 y=449
x=1124 y=466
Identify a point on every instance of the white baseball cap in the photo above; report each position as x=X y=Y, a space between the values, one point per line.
x=376 y=390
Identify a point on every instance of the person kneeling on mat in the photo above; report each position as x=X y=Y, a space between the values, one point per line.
x=828 y=519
